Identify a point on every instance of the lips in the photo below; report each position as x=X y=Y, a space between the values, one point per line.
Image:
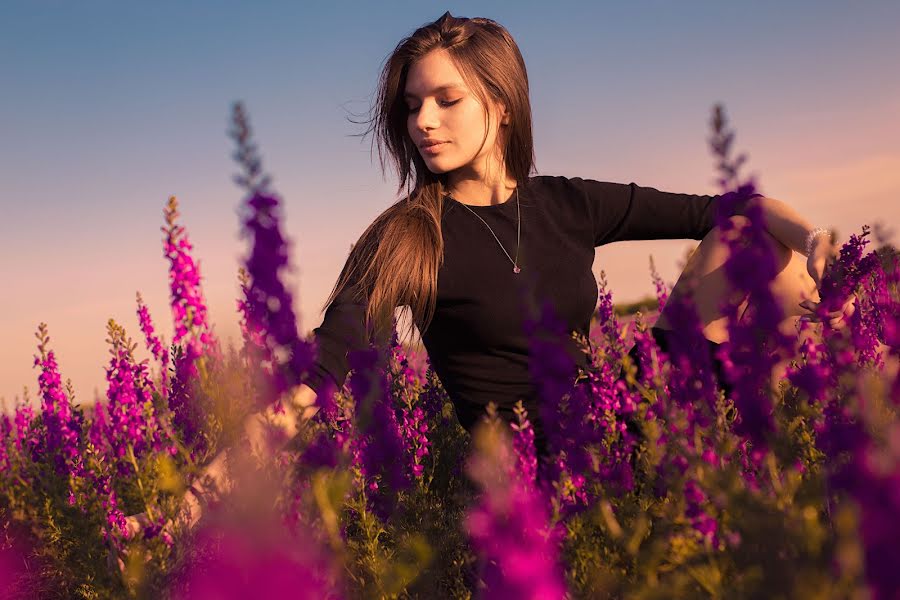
x=434 y=147
x=429 y=143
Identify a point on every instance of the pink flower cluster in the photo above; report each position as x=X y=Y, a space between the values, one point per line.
x=510 y=528
x=188 y=306
x=59 y=439
x=191 y=325
x=155 y=345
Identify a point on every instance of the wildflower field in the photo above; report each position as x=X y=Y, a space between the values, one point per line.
x=658 y=485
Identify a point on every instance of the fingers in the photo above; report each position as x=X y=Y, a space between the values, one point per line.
x=136 y=523
x=836 y=319
x=808 y=304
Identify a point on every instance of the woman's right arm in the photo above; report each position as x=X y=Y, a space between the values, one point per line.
x=342 y=331
x=259 y=427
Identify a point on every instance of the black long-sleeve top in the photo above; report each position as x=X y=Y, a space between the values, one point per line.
x=476 y=342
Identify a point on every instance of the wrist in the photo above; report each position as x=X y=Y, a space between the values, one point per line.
x=815 y=237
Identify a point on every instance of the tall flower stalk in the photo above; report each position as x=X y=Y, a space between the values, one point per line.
x=59 y=442
x=380 y=441
x=192 y=328
x=755 y=342
x=268 y=304
x=155 y=344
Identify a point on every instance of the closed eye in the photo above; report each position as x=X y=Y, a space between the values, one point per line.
x=444 y=103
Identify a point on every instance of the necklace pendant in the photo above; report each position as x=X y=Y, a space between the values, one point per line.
x=516 y=269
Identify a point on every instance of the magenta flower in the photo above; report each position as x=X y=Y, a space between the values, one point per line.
x=155 y=345
x=98 y=434
x=23 y=437
x=703 y=523
x=650 y=360
x=59 y=440
x=523 y=444
x=415 y=409
x=662 y=288
x=131 y=425
x=5 y=430
x=813 y=373
x=381 y=442
x=115 y=518
x=605 y=315
x=191 y=325
x=258 y=559
x=509 y=527
x=187 y=414
x=188 y=306
x=414 y=430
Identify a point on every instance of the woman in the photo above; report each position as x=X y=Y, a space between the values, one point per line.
x=477 y=244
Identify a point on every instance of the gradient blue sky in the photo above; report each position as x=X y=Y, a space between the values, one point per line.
x=107 y=108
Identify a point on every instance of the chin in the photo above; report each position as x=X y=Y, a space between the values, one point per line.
x=436 y=168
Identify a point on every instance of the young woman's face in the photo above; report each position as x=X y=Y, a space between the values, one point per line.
x=442 y=108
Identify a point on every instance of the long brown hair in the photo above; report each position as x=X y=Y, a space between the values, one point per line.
x=396 y=260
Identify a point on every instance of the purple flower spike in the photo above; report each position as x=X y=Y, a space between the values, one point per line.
x=551 y=367
x=192 y=329
x=523 y=444
x=23 y=438
x=382 y=446
x=267 y=307
x=662 y=288
x=132 y=426
x=416 y=409
x=188 y=306
x=755 y=341
x=268 y=303
x=59 y=440
x=155 y=344
x=5 y=429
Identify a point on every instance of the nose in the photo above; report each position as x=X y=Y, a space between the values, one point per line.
x=426 y=117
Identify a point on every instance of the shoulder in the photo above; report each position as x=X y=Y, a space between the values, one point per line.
x=562 y=199
x=556 y=188
x=561 y=186
x=551 y=183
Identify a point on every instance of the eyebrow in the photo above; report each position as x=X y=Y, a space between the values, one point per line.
x=441 y=88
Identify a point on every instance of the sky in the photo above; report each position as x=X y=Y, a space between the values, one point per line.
x=108 y=108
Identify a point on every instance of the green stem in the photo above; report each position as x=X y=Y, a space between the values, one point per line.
x=140 y=483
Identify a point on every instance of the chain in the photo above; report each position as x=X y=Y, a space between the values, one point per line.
x=515 y=262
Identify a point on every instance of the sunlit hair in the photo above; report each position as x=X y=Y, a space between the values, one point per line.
x=396 y=260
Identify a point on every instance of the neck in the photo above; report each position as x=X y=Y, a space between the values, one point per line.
x=477 y=191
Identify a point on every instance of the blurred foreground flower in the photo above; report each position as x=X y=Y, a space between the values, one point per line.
x=509 y=526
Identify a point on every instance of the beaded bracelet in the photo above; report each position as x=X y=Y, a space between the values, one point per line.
x=813 y=235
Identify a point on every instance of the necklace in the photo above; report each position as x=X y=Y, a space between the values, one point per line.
x=516 y=268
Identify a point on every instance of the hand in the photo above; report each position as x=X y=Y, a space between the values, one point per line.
x=836 y=319
x=134 y=525
x=821 y=254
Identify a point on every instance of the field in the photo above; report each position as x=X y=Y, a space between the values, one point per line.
x=658 y=484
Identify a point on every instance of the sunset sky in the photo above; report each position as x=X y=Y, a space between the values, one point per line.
x=107 y=108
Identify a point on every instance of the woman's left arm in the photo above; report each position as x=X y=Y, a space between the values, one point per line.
x=790 y=228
